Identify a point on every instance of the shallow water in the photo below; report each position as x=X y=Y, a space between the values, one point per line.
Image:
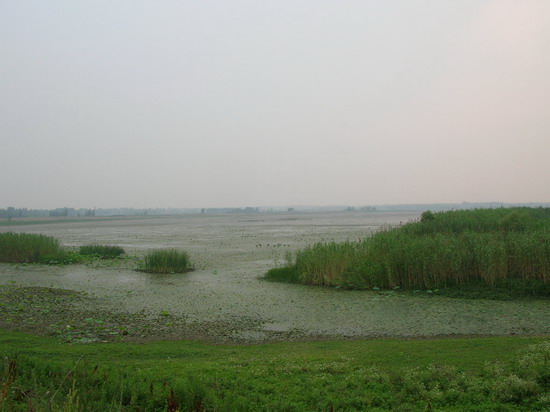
x=231 y=252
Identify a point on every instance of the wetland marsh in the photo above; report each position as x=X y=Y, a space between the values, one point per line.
x=224 y=299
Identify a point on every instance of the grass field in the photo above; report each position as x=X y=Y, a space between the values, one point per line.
x=505 y=374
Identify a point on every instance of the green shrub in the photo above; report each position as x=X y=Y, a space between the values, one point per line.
x=29 y=248
x=167 y=261
x=104 y=252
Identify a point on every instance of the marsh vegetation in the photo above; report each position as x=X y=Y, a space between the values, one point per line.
x=29 y=248
x=37 y=248
x=101 y=251
x=504 y=249
x=166 y=261
x=108 y=301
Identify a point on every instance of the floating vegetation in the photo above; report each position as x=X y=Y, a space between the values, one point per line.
x=102 y=251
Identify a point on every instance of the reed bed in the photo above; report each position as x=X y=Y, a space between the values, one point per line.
x=29 y=248
x=102 y=251
x=488 y=248
x=167 y=261
x=517 y=219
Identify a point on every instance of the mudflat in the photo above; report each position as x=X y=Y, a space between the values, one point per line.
x=224 y=299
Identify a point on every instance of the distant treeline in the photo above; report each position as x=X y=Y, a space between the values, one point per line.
x=13 y=212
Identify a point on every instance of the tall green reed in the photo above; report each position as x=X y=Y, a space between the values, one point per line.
x=488 y=247
x=167 y=261
x=28 y=248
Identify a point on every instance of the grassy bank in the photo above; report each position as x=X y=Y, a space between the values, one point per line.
x=488 y=248
x=452 y=374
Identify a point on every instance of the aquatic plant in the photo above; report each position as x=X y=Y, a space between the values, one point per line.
x=494 y=248
x=167 y=261
x=29 y=248
x=102 y=251
x=287 y=274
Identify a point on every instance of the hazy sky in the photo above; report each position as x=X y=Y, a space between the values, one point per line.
x=180 y=103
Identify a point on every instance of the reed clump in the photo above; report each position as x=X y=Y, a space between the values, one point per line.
x=101 y=251
x=29 y=248
x=167 y=261
x=489 y=248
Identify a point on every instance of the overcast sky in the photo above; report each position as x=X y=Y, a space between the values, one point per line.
x=180 y=103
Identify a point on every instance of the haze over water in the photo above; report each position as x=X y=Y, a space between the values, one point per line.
x=215 y=104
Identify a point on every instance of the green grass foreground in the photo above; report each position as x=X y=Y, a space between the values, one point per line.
x=167 y=261
x=481 y=374
x=506 y=249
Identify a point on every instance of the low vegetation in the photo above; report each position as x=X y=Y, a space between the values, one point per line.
x=37 y=248
x=167 y=261
x=101 y=251
x=508 y=374
x=29 y=248
x=505 y=249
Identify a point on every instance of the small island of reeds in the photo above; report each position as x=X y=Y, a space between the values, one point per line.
x=29 y=248
x=166 y=261
x=38 y=248
x=482 y=249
